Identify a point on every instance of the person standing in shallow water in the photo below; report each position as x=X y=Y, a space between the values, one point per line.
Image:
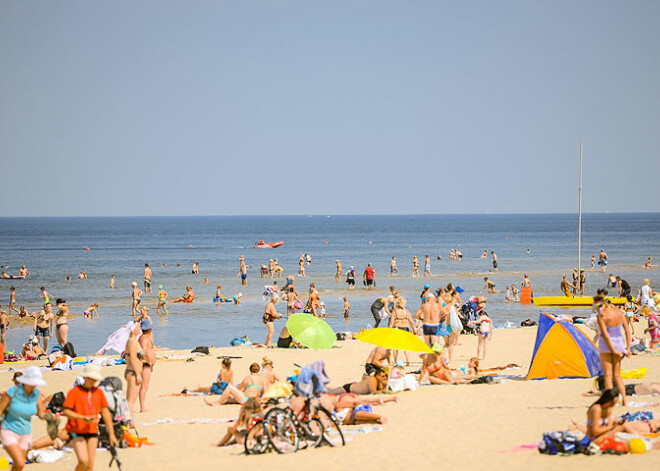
x=494 y=261
x=393 y=268
x=427 y=266
x=270 y=314
x=415 y=264
x=339 y=272
x=147 y=279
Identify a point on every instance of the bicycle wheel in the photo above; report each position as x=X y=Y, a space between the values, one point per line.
x=314 y=432
x=332 y=434
x=281 y=431
x=256 y=440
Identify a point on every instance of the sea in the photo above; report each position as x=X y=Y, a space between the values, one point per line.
x=543 y=246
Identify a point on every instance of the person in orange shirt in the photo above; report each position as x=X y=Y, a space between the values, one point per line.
x=82 y=407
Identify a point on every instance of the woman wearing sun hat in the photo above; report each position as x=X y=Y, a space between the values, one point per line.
x=21 y=402
x=82 y=407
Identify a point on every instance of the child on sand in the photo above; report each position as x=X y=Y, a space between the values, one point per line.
x=485 y=332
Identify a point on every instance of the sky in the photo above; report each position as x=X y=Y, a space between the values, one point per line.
x=122 y=108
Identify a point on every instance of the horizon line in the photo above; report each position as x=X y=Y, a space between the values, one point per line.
x=325 y=215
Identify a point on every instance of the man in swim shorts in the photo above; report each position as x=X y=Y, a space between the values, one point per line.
x=43 y=324
x=429 y=313
x=147 y=279
x=376 y=360
x=602 y=259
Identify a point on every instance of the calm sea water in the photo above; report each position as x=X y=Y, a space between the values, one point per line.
x=53 y=248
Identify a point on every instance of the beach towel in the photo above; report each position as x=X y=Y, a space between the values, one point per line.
x=117 y=340
x=309 y=383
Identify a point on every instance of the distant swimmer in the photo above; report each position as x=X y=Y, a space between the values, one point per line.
x=490 y=286
x=602 y=259
x=647 y=265
x=338 y=272
x=415 y=264
x=494 y=261
x=459 y=255
x=427 y=266
x=308 y=259
x=23 y=272
x=147 y=279
x=112 y=282
x=393 y=268
x=566 y=287
x=485 y=254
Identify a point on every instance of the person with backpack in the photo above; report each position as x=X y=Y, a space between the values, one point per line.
x=82 y=406
x=21 y=402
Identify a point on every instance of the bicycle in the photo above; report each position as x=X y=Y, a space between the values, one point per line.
x=313 y=424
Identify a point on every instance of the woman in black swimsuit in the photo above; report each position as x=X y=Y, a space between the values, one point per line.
x=62 y=325
x=401 y=319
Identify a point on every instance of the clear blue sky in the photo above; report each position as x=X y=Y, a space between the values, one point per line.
x=254 y=107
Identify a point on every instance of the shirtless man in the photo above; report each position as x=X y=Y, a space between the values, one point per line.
x=430 y=314
x=242 y=270
x=147 y=279
x=339 y=272
x=415 y=264
x=393 y=268
x=43 y=324
x=23 y=272
x=566 y=287
x=490 y=286
x=146 y=341
x=12 y=300
x=313 y=301
x=494 y=261
x=376 y=360
x=576 y=281
x=135 y=295
x=602 y=259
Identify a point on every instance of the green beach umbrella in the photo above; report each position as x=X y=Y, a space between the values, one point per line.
x=311 y=331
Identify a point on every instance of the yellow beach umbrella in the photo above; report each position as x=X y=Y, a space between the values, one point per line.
x=395 y=339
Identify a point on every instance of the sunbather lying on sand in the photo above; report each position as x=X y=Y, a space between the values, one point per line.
x=369 y=385
x=638 y=389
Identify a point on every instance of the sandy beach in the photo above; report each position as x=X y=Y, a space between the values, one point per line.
x=467 y=426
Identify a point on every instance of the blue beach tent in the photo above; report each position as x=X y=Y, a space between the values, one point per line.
x=562 y=350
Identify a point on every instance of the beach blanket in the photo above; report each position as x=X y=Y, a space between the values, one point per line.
x=186 y=394
x=200 y=420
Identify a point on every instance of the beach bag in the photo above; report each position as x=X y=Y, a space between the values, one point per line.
x=63 y=363
x=455 y=321
x=204 y=350
x=565 y=443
